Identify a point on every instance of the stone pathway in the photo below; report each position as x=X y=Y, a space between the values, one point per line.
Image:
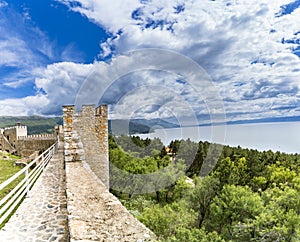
x=43 y=215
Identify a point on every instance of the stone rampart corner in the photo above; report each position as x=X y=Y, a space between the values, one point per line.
x=86 y=138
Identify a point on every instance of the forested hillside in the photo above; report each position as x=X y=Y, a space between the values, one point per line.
x=137 y=126
x=35 y=124
x=38 y=124
x=247 y=196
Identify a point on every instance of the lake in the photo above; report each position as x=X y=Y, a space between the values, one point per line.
x=276 y=136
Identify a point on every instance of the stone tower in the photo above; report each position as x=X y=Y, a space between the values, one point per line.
x=86 y=138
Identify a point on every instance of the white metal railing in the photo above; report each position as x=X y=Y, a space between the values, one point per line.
x=14 y=197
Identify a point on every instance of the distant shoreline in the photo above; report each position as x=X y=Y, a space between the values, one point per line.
x=275 y=136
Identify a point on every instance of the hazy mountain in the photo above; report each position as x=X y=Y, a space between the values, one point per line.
x=37 y=124
x=138 y=126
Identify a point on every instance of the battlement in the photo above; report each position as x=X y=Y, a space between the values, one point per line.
x=87 y=110
x=38 y=137
x=17 y=131
x=16 y=127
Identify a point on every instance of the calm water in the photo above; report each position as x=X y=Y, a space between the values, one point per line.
x=284 y=137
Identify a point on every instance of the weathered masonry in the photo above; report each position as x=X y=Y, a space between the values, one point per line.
x=86 y=138
x=94 y=214
x=16 y=141
x=74 y=202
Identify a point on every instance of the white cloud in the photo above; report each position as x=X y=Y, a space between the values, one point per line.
x=239 y=43
x=114 y=15
x=31 y=105
x=72 y=54
x=225 y=37
x=153 y=94
x=12 y=49
x=56 y=85
x=61 y=83
x=3 y=4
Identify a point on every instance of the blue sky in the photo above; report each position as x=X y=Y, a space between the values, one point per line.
x=48 y=32
x=250 y=50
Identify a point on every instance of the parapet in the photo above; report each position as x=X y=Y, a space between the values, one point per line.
x=38 y=137
x=87 y=110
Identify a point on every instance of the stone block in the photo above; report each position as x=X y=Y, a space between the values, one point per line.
x=80 y=145
x=68 y=152
x=80 y=152
x=68 y=158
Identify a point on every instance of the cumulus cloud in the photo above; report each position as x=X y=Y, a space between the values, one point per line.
x=249 y=49
x=56 y=86
x=59 y=84
x=31 y=105
x=151 y=78
x=152 y=94
x=114 y=15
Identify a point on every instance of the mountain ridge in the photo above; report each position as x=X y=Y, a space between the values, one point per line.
x=40 y=124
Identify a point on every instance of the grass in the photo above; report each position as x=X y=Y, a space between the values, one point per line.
x=8 y=169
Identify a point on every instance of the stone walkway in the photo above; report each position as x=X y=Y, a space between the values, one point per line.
x=43 y=215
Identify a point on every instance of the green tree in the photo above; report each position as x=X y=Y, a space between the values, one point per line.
x=203 y=194
x=233 y=172
x=194 y=235
x=235 y=205
x=278 y=174
x=183 y=188
x=217 y=207
x=165 y=220
x=280 y=218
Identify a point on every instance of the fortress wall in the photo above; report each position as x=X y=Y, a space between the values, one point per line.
x=86 y=138
x=5 y=145
x=15 y=140
x=102 y=127
x=11 y=135
x=27 y=146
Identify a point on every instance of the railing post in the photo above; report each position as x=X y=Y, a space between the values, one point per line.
x=27 y=183
x=42 y=162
